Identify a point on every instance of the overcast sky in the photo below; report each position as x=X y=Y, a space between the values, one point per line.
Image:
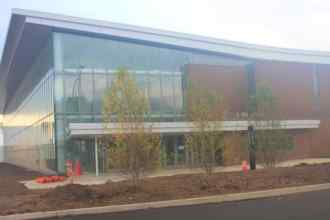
x=303 y=24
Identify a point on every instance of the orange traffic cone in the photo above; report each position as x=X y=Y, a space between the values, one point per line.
x=78 y=170
x=245 y=166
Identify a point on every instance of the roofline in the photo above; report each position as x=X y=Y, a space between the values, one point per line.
x=173 y=38
x=7 y=34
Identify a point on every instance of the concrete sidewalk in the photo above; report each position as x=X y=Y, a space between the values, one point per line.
x=171 y=172
x=91 y=179
x=289 y=163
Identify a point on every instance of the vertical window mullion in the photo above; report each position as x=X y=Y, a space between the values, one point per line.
x=93 y=96
x=147 y=75
x=160 y=75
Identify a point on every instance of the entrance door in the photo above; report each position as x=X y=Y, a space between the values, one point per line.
x=103 y=155
x=174 y=149
x=85 y=152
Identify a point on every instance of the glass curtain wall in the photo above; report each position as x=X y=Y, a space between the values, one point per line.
x=29 y=117
x=85 y=67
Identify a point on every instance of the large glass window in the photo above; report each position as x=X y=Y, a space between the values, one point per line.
x=178 y=93
x=100 y=85
x=85 y=67
x=154 y=93
x=71 y=101
x=143 y=82
x=167 y=96
x=86 y=93
x=31 y=129
x=158 y=70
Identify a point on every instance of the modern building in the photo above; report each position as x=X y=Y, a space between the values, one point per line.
x=1 y=146
x=55 y=70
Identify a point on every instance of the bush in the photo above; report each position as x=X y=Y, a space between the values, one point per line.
x=272 y=146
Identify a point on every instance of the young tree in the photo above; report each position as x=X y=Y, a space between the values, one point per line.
x=133 y=147
x=205 y=112
x=272 y=142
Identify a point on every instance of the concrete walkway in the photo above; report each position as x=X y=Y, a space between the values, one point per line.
x=82 y=180
x=91 y=179
x=291 y=163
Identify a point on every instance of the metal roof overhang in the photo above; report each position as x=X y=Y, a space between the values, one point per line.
x=28 y=29
x=99 y=129
x=24 y=40
x=170 y=38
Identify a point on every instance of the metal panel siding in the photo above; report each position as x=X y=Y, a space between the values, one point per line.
x=177 y=39
x=13 y=38
x=33 y=39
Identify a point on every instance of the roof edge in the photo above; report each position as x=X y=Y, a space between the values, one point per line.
x=172 y=34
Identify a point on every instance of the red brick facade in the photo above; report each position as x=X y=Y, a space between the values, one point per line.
x=293 y=85
x=229 y=81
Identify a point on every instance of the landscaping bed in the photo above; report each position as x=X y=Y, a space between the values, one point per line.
x=10 y=177
x=156 y=189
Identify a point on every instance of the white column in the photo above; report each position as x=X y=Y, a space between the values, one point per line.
x=97 y=172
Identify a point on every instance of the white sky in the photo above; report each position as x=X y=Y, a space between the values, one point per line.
x=300 y=24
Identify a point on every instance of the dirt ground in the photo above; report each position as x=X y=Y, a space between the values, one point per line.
x=14 y=198
x=9 y=179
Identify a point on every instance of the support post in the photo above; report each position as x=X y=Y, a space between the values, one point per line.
x=252 y=89
x=97 y=172
x=252 y=147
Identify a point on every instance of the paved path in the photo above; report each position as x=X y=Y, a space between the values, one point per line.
x=307 y=206
x=93 y=180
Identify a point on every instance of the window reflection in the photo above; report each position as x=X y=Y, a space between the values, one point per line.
x=155 y=93
x=29 y=119
x=71 y=85
x=158 y=71
x=167 y=98
x=100 y=82
x=86 y=93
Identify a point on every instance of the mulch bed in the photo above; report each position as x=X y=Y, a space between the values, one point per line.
x=10 y=176
x=154 y=189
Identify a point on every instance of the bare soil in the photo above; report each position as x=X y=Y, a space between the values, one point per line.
x=10 y=177
x=14 y=198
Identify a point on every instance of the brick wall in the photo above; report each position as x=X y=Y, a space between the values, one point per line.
x=292 y=85
x=229 y=81
x=324 y=79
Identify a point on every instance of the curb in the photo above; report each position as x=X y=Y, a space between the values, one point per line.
x=169 y=203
